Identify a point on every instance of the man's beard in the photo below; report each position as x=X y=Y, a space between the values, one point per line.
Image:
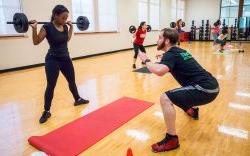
x=160 y=47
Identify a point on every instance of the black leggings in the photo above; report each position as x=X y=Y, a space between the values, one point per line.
x=52 y=67
x=136 y=49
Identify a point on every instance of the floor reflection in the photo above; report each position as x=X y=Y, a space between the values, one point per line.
x=239 y=106
x=137 y=134
x=243 y=94
x=240 y=133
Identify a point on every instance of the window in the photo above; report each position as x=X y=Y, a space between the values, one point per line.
x=107 y=11
x=143 y=11
x=154 y=16
x=232 y=9
x=246 y=8
x=173 y=11
x=102 y=14
x=7 y=10
x=229 y=11
x=177 y=10
x=246 y=11
x=246 y=2
x=84 y=8
x=227 y=3
x=149 y=11
x=180 y=9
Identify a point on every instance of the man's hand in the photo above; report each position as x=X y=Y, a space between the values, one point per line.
x=142 y=56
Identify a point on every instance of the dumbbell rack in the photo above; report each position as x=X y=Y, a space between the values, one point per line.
x=192 y=36
x=201 y=31
x=234 y=31
x=207 y=31
x=204 y=31
x=244 y=29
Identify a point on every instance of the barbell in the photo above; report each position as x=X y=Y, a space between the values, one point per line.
x=132 y=29
x=173 y=24
x=21 y=23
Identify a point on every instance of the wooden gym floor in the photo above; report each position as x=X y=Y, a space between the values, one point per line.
x=223 y=128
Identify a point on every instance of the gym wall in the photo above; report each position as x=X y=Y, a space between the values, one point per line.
x=19 y=51
x=198 y=10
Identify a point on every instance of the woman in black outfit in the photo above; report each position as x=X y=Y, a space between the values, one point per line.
x=57 y=58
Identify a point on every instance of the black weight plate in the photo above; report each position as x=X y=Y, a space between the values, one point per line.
x=149 y=28
x=20 y=21
x=172 y=25
x=183 y=24
x=25 y=23
x=132 y=29
x=82 y=23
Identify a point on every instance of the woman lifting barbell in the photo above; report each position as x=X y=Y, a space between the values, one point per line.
x=57 y=58
x=179 y=25
x=139 y=36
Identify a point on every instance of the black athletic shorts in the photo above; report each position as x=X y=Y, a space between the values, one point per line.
x=189 y=96
x=221 y=42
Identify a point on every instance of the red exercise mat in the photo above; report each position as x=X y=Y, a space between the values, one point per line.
x=78 y=135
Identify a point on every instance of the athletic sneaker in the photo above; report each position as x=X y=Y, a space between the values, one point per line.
x=81 y=101
x=193 y=112
x=170 y=142
x=143 y=63
x=134 y=66
x=45 y=117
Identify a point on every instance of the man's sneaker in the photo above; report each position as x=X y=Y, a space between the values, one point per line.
x=45 y=117
x=193 y=112
x=81 y=101
x=134 y=66
x=170 y=142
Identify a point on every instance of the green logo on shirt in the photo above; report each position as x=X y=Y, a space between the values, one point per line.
x=186 y=55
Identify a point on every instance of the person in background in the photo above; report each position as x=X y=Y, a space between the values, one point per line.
x=139 y=36
x=179 y=29
x=222 y=39
x=216 y=30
